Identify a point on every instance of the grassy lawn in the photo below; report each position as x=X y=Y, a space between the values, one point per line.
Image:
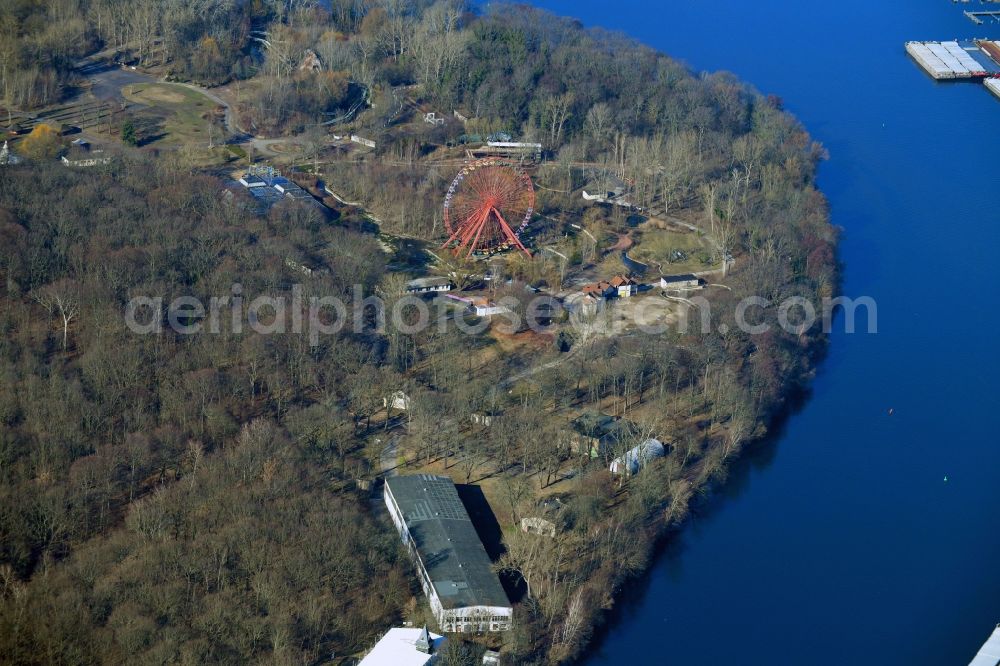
x=175 y=115
x=674 y=251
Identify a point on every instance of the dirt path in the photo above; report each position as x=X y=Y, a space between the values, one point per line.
x=530 y=372
x=624 y=242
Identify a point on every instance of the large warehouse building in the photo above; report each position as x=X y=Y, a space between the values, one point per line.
x=455 y=571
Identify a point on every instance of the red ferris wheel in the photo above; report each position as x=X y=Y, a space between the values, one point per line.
x=487 y=207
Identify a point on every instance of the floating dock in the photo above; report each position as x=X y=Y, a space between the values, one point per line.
x=989 y=654
x=993 y=85
x=979 y=17
x=951 y=60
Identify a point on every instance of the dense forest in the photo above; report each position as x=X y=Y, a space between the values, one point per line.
x=201 y=498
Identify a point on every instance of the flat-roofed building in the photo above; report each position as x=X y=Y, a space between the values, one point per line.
x=250 y=180
x=455 y=572
x=680 y=282
x=429 y=285
x=404 y=646
x=484 y=307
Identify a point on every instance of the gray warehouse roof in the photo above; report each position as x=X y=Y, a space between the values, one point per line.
x=446 y=541
x=683 y=277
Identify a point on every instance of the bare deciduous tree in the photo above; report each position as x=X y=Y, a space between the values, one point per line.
x=63 y=298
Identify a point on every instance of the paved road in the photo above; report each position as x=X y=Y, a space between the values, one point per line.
x=107 y=80
x=389 y=458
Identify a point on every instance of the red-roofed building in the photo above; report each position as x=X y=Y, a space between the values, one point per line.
x=620 y=286
x=625 y=286
x=599 y=290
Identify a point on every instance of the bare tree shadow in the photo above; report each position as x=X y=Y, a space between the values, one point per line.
x=489 y=532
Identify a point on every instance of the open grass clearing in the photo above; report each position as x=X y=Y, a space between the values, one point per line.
x=672 y=251
x=188 y=117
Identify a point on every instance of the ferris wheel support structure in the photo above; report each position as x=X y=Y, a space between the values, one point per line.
x=481 y=200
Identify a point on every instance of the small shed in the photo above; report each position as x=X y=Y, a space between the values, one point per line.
x=546 y=519
x=538 y=525
x=491 y=658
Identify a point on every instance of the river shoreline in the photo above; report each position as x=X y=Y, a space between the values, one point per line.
x=710 y=499
x=851 y=524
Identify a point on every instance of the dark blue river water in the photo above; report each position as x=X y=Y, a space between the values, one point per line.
x=841 y=542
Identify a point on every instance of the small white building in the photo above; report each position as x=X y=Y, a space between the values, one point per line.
x=398 y=400
x=363 y=141
x=486 y=308
x=429 y=285
x=406 y=647
x=613 y=198
x=624 y=286
x=250 y=180
x=637 y=458
x=538 y=525
x=491 y=658
x=516 y=145
x=480 y=418
x=680 y=282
